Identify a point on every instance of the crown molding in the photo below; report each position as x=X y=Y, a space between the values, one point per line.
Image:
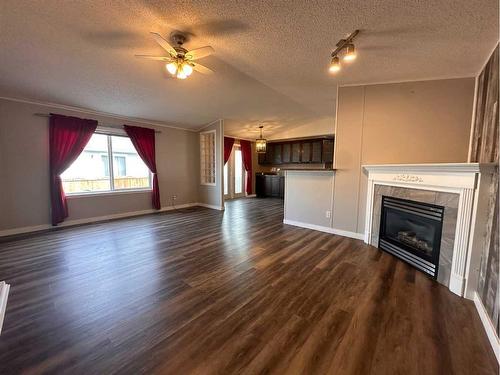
x=96 y=113
x=392 y=82
x=210 y=123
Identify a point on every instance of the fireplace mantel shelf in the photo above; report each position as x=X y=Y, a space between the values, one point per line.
x=430 y=167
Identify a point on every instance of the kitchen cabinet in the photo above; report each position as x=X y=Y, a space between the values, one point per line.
x=269 y=185
x=296 y=147
x=286 y=156
x=316 y=152
x=327 y=151
x=305 y=155
x=299 y=151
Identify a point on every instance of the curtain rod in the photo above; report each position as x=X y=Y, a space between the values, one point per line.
x=98 y=123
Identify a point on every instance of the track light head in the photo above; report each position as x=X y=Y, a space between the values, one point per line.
x=334 y=65
x=350 y=53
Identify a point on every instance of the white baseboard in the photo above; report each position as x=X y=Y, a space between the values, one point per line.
x=95 y=219
x=339 y=232
x=346 y=233
x=4 y=295
x=488 y=326
x=212 y=206
x=457 y=284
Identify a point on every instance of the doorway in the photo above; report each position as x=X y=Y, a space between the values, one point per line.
x=234 y=175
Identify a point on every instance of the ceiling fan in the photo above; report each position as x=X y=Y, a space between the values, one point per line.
x=180 y=61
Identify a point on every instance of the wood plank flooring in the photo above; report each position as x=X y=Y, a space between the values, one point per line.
x=199 y=291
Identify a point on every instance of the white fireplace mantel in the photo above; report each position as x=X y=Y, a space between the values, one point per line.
x=470 y=181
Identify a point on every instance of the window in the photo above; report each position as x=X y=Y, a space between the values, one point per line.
x=93 y=172
x=238 y=172
x=207 y=157
x=226 y=179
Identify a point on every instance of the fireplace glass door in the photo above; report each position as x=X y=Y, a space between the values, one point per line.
x=412 y=231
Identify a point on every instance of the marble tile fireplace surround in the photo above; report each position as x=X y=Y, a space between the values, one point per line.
x=461 y=188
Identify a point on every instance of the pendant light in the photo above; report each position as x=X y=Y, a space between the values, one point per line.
x=261 y=143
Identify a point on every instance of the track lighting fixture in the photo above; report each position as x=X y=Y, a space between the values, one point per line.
x=350 y=52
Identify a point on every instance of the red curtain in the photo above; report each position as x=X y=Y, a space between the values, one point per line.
x=246 y=153
x=68 y=136
x=228 y=146
x=143 y=140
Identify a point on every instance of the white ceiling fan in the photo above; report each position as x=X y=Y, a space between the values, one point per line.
x=180 y=61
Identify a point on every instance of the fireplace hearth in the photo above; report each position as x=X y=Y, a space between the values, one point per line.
x=411 y=231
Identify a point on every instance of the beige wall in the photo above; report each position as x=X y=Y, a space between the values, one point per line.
x=24 y=169
x=308 y=197
x=412 y=122
x=213 y=195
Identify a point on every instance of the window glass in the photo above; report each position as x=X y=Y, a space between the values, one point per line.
x=92 y=171
x=89 y=172
x=226 y=179
x=130 y=172
x=238 y=172
x=207 y=157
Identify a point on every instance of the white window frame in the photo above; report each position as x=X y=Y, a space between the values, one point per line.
x=108 y=132
x=203 y=166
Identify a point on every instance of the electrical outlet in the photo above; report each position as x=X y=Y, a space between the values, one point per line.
x=174 y=197
x=328 y=214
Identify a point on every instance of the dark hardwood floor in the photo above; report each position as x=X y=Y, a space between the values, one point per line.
x=199 y=291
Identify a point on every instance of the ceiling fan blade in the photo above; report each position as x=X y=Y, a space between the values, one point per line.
x=202 y=69
x=158 y=58
x=164 y=44
x=198 y=53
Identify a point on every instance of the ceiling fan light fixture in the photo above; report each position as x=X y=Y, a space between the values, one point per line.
x=350 y=53
x=261 y=143
x=187 y=69
x=334 y=65
x=171 y=68
x=179 y=60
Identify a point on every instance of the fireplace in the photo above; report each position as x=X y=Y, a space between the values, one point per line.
x=411 y=231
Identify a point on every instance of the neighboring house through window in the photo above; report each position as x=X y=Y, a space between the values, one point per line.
x=93 y=172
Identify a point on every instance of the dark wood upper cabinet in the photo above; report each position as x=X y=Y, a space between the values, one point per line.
x=305 y=156
x=327 y=152
x=277 y=158
x=316 y=155
x=319 y=150
x=296 y=152
x=270 y=153
x=262 y=158
x=286 y=156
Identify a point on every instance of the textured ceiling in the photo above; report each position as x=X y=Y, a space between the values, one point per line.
x=271 y=56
